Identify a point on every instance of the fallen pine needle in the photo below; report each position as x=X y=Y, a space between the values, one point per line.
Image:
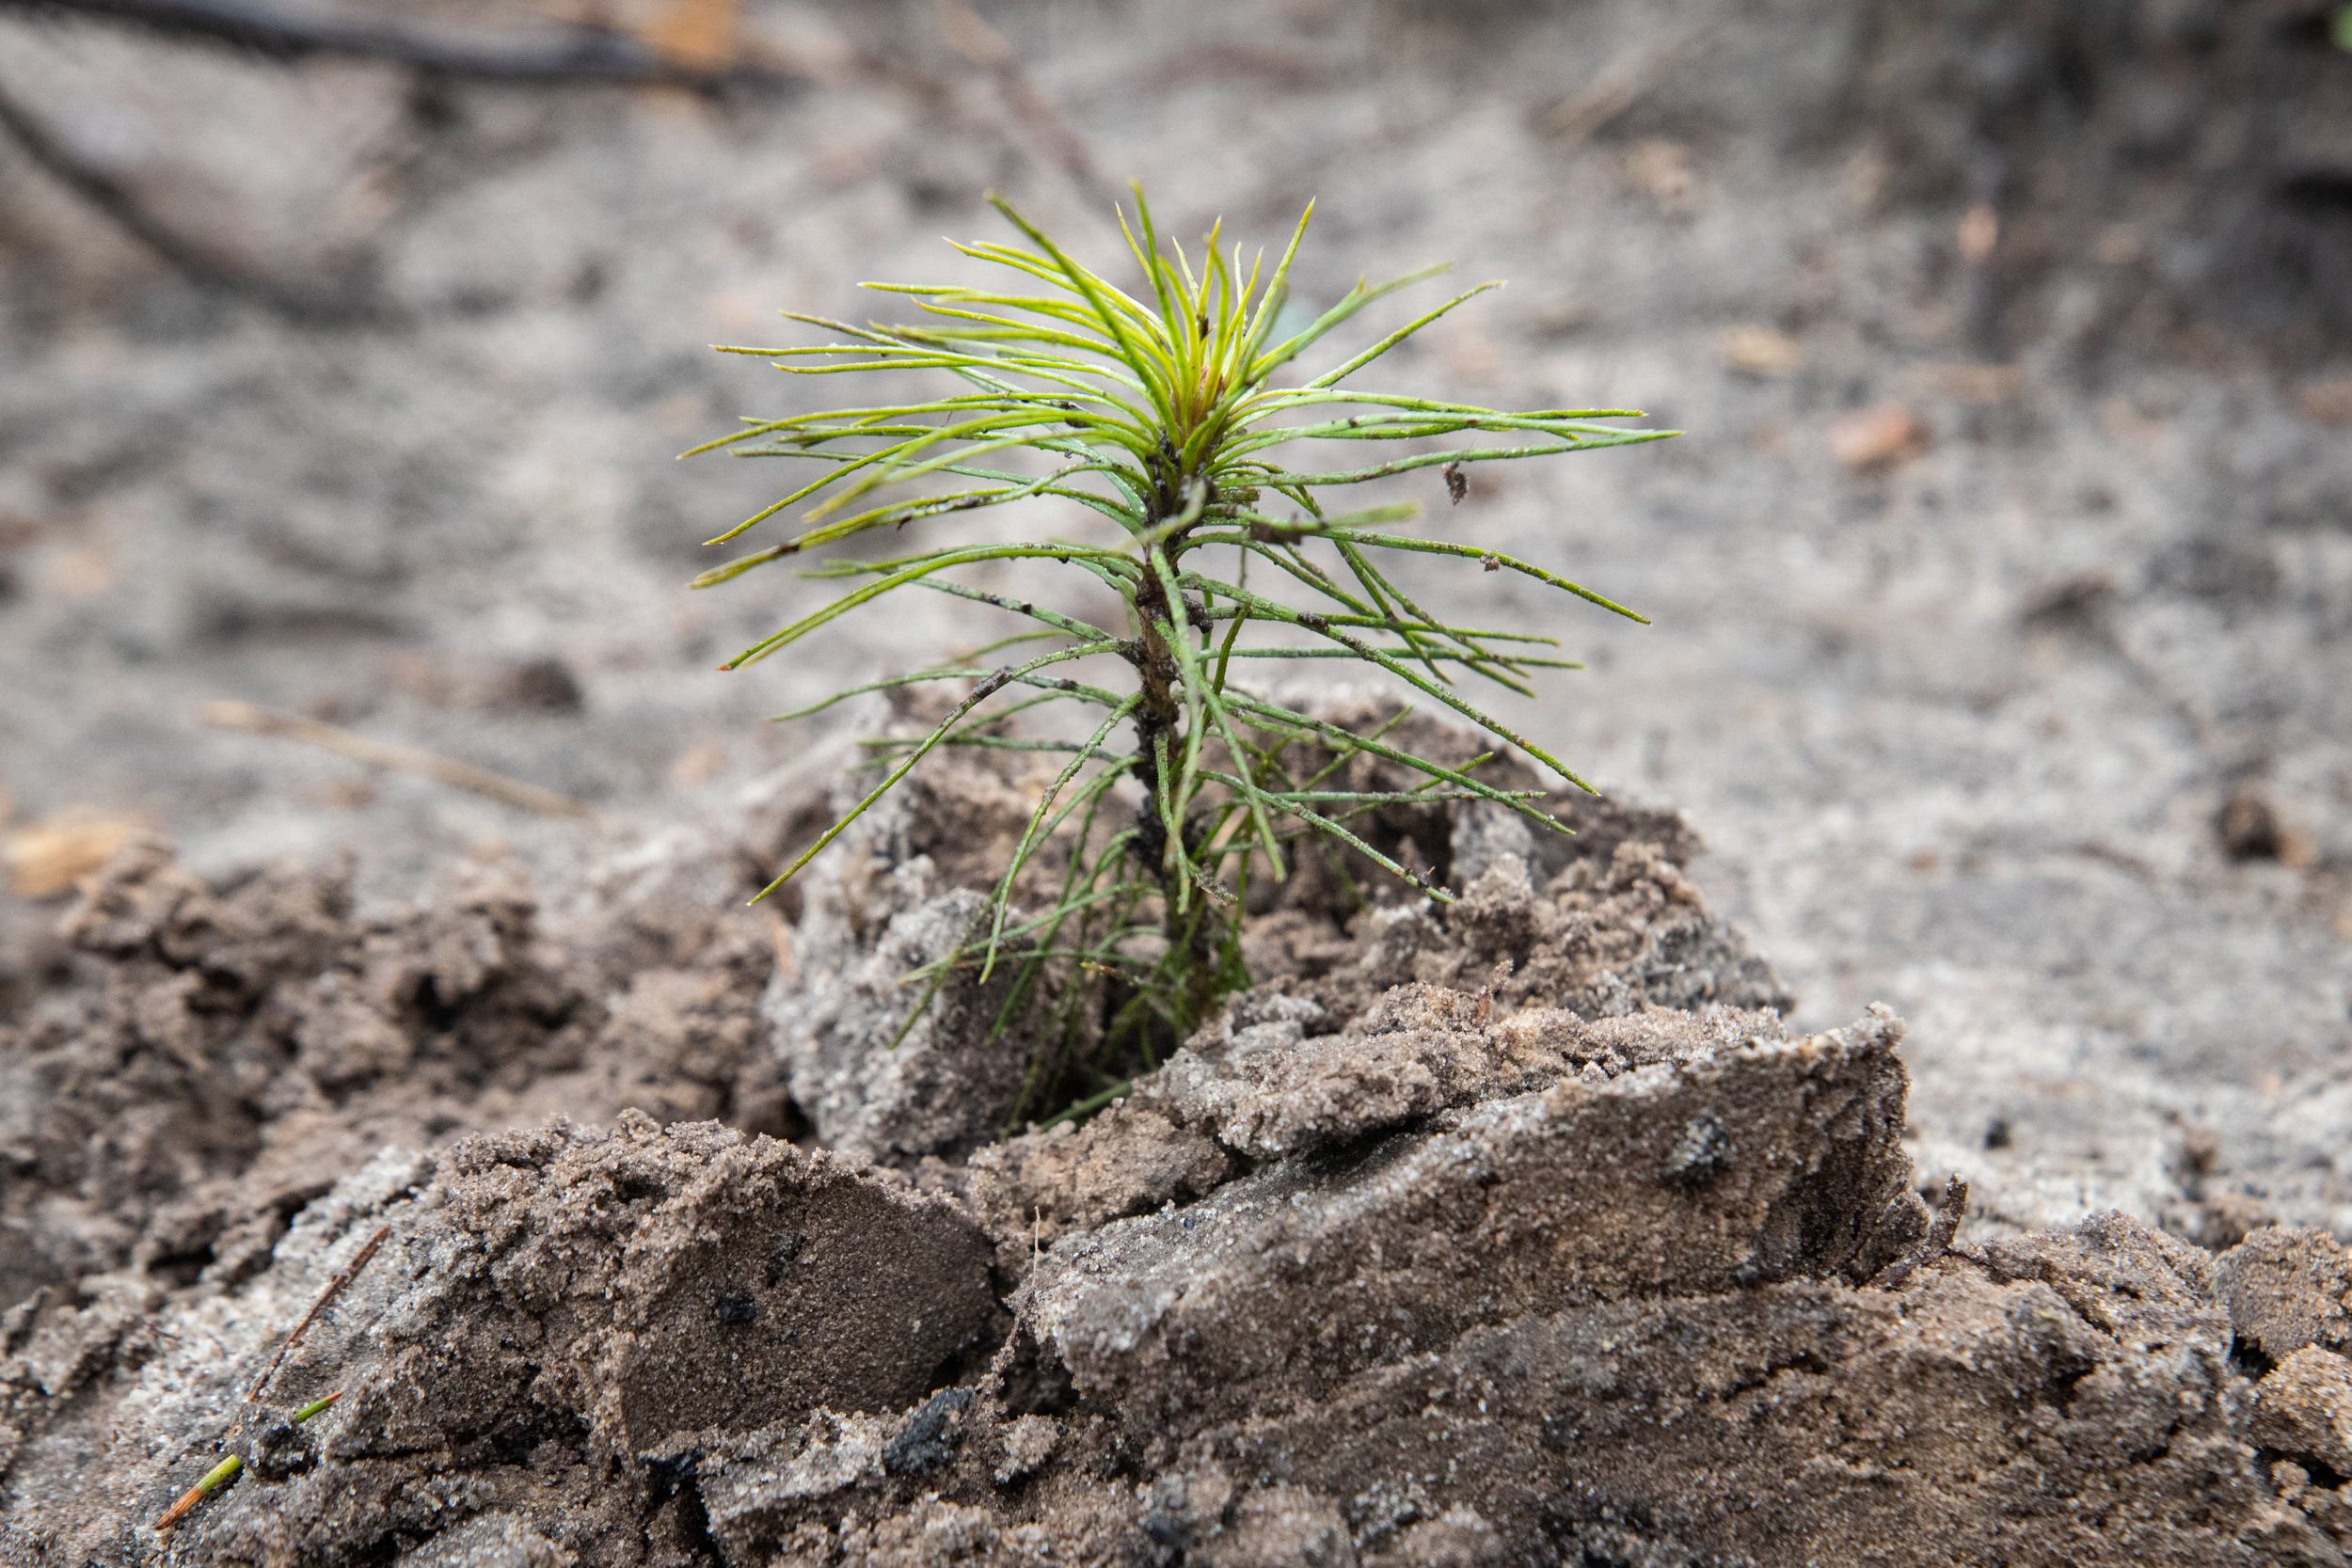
x=255 y=720
x=334 y=1287
x=1629 y=78
x=221 y=1473
x=227 y=1467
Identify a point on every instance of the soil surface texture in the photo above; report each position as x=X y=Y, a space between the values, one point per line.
x=1520 y=1230
x=1977 y=804
x=1999 y=584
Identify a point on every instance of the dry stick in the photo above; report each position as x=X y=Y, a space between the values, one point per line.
x=969 y=34
x=587 y=56
x=1627 y=79
x=335 y=1287
x=191 y=261
x=596 y=56
x=400 y=759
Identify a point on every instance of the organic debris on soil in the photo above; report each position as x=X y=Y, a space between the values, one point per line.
x=1514 y=1231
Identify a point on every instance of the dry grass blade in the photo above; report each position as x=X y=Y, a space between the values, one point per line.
x=254 y=720
x=1631 y=77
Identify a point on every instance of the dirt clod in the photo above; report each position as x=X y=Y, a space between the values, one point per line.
x=1522 y=1230
x=2303 y=1407
x=2290 y=1288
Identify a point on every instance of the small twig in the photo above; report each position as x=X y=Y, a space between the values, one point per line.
x=335 y=1287
x=1940 y=1235
x=1630 y=77
x=969 y=34
x=254 y=720
x=590 y=56
x=222 y=1473
x=106 y=194
x=113 y=201
x=227 y=1469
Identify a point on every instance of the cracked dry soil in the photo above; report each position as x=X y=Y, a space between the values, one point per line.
x=1520 y=1230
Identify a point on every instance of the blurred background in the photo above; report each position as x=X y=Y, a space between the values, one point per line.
x=2002 y=586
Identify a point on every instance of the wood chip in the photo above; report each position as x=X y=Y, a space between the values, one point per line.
x=1877 y=437
x=2327 y=403
x=49 y=857
x=1974 y=383
x=1760 y=351
x=1979 y=232
x=697 y=36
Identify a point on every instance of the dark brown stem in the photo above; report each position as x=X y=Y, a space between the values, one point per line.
x=1160 y=717
x=1158 y=665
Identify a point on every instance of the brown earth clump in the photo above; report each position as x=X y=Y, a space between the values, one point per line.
x=1615 y=928
x=1516 y=1231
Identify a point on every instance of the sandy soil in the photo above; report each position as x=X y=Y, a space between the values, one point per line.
x=1527 y=1233
x=1957 y=726
x=2022 y=711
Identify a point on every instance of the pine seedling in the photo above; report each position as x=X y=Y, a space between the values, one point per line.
x=1160 y=413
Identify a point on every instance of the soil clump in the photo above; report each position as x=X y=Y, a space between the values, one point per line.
x=1520 y=1230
